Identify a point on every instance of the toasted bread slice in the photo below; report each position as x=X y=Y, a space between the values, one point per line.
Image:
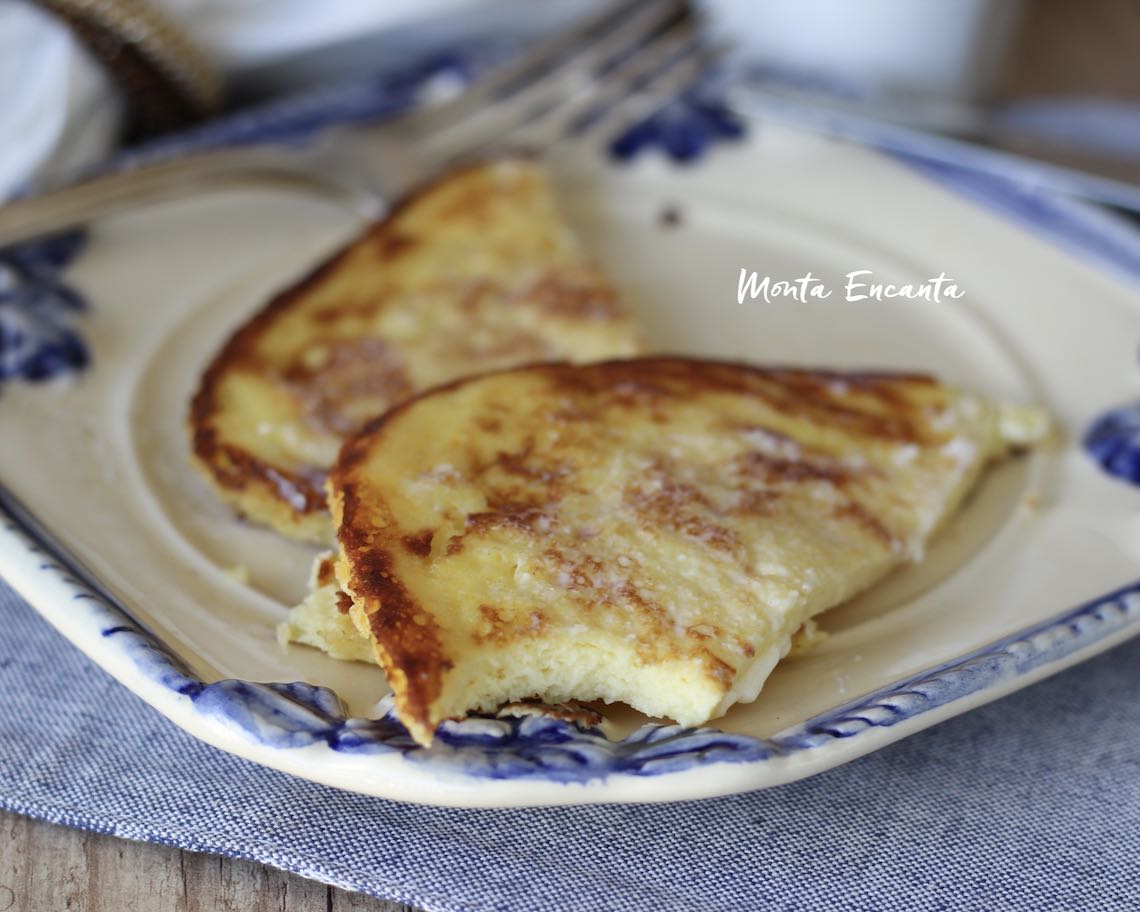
x=650 y=531
x=473 y=273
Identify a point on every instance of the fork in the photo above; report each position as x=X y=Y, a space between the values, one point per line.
x=604 y=73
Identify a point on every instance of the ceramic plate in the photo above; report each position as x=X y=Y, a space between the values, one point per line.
x=119 y=544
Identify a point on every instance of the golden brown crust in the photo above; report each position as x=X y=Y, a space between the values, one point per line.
x=438 y=289
x=233 y=468
x=624 y=377
x=412 y=653
x=813 y=428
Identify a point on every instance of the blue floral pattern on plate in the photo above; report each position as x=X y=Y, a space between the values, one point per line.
x=295 y=715
x=1114 y=442
x=38 y=338
x=685 y=128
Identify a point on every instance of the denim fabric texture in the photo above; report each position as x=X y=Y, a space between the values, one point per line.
x=1030 y=803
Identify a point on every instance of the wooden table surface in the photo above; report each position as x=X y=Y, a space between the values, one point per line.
x=48 y=868
x=1092 y=46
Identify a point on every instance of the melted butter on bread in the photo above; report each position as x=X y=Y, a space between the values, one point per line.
x=474 y=272
x=650 y=531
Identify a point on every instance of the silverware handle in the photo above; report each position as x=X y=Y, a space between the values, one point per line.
x=79 y=203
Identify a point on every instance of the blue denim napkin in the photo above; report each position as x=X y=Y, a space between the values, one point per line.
x=1030 y=803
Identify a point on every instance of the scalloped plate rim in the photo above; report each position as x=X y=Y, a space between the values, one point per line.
x=824 y=741
x=829 y=739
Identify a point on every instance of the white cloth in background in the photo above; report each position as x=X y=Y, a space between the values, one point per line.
x=60 y=111
x=241 y=34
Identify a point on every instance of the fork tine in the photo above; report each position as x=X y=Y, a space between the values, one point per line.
x=658 y=55
x=487 y=123
x=644 y=103
x=523 y=67
x=638 y=87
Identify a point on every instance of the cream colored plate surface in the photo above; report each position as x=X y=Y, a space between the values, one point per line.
x=101 y=460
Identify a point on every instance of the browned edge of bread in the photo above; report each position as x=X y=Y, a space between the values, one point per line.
x=406 y=637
